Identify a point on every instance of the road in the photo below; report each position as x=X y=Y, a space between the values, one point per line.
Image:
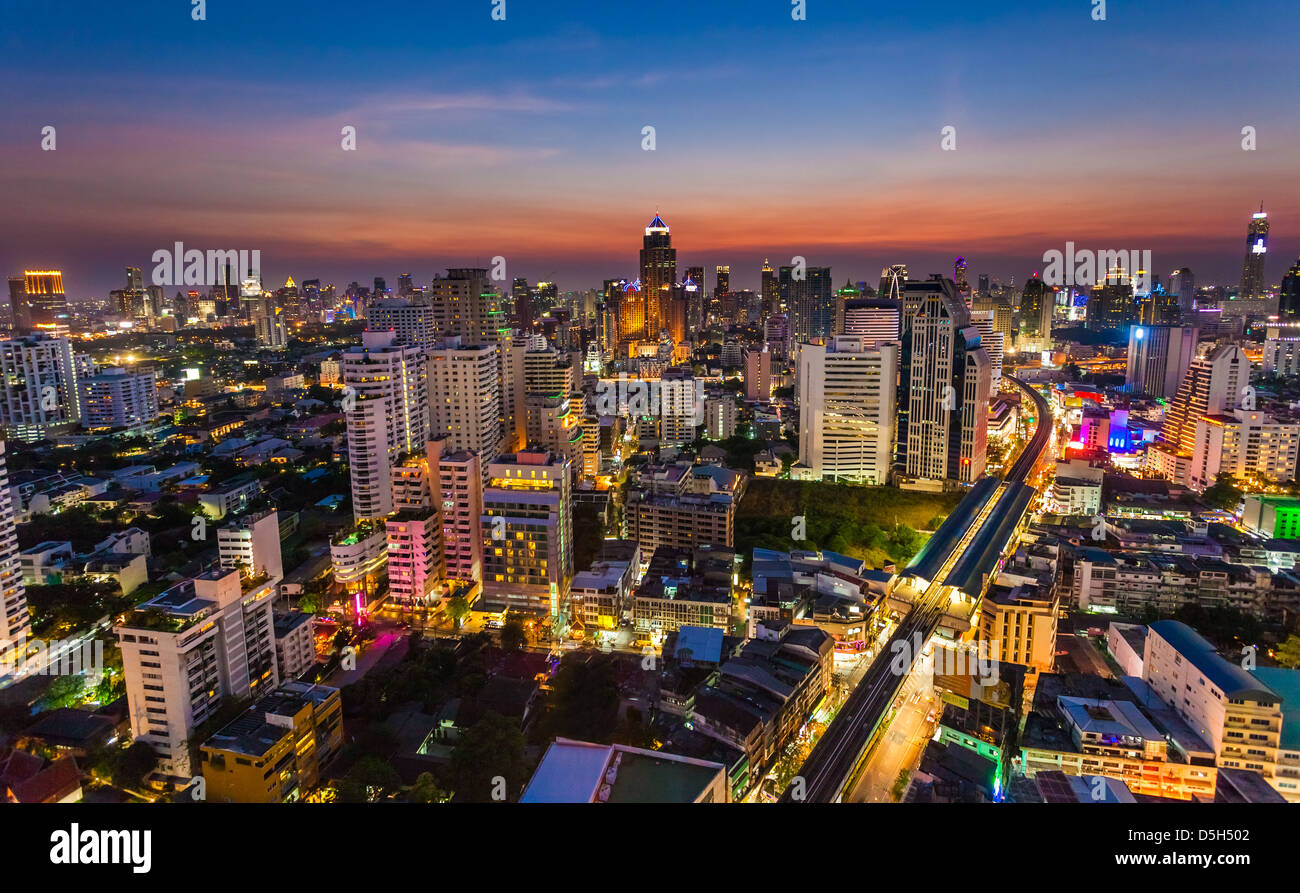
x=840 y=750
x=901 y=744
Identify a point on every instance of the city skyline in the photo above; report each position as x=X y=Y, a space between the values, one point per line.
x=832 y=155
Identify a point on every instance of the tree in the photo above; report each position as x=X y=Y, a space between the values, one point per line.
x=585 y=698
x=1223 y=494
x=491 y=753
x=1288 y=653
x=426 y=790
x=513 y=635
x=458 y=610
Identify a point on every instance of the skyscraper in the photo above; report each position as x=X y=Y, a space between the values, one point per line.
x=465 y=306
x=465 y=389
x=721 y=280
x=1183 y=284
x=658 y=275
x=811 y=302
x=45 y=304
x=892 y=280
x=770 y=290
x=1111 y=305
x=876 y=319
x=944 y=385
x=846 y=409
x=40 y=387
x=1212 y=385
x=1036 y=306
x=1288 y=301
x=1158 y=358
x=1252 y=269
x=387 y=399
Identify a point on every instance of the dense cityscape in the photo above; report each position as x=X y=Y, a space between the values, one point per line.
x=927 y=538
x=501 y=409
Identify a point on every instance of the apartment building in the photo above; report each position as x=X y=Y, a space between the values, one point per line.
x=185 y=650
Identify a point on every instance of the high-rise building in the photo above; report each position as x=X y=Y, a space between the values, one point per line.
x=460 y=479
x=1111 y=305
x=1158 y=358
x=758 y=374
x=892 y=280
x=1245 y=444
x=1182 y=284
x=811 y=301
x=1282 y=349
x=944 y=386
x=770 y=290
x=527 y=526
x=846 y=409
x=411 y=320
x=876 y=319
x=464 y=396
x=694 y=291
x=118 y=398
x=416 y=563
x=658 y=277
x=465 y=306
x=273 y=329
x=387 y=389
x=186 y=651
x=1213 y=385
x=721 y=281
x=1252 y=269
x=15 y=621
x=513 y=393
x=40 y=387
x=993 y=343
x=44 y=305
x=1288 y=299
x=1036 y=308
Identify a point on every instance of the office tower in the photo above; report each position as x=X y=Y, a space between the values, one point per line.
x=386 y=385
x=693 y=290
x=412 y=321
x=405 y=285
x=15 y=621
x=1288 y=301
x=1036 y=305
x=876 y=319
x=251 y=543
x=1252 y=269
x=758 y=374
x=1158 y=308
x=681 y=406
x=1111 y=306
x=1182 y=284
x=464 y=396
x=959 y=278
x=40 y=390
x=770 y=290
x=1245 y=444
x=253 y=304
x=892 y=280
x=380 y=290
x=944 y=386
x=45 y=306
x=527 y=526
x=721 y=280
x=984 y=284
x=846 y=409
x=992 y=342
x=272 y=329
x=17 y=320
x=1212 y=385
x=522 y=300
x=311 y=301
x=1282 y=349
x=674 y=314
x=811 y=303
x=1158 y=358
x=416 y=563
x=465 y=306
x=655 y=285
x=118 y=398
x=186 y=651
